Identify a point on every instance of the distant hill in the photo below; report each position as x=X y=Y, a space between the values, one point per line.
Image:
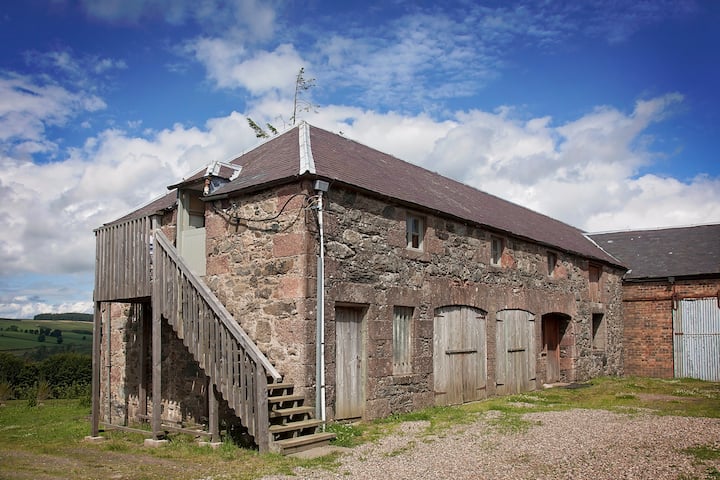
x=77 y=317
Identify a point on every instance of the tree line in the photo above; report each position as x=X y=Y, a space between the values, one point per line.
x=78 y=317
x=63 y=375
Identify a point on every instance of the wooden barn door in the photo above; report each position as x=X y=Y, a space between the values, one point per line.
x=515 y=342
x=349 y=376
x=551 y=344
x=459 y=355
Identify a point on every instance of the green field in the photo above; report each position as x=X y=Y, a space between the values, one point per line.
x=15 y=339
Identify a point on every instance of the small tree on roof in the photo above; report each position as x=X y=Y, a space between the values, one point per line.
x=299 y=104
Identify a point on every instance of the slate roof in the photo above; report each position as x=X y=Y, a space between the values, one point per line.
x=668 y=252
x=308 y=151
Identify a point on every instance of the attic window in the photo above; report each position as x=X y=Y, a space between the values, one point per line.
x=415 y=231
x=497 y=245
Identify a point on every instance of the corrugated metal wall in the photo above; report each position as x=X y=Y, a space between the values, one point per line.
x=696 y=324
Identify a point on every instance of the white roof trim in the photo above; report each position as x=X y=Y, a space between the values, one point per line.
x=307 y=162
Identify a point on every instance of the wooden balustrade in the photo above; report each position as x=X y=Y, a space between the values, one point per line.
x=123 y=260
x=236 y=366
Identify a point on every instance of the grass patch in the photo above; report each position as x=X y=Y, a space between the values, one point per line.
x=346 y=434
x=47 y=441
x=703 y=452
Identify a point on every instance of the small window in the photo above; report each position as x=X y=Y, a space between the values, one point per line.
x=551 y=263
x=599 y=332
x=415 y=228
x=497 y=245
x=402 y=333
x=594 y=274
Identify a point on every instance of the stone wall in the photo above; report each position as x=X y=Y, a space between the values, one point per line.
x=184 y=385
x=649 y=323
x=368 y=265
x=261 y=264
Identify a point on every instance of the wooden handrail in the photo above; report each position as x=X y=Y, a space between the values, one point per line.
x=225 y=317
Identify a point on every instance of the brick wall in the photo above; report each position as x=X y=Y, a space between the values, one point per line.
x=648 y=312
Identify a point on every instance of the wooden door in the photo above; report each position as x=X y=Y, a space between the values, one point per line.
x=515 y=350
x=459 y=355
x=349 y=376
x=551 y=345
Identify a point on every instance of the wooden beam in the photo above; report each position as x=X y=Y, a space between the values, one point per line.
x=262 y=435
x=156 y=357
x=145 y=329
x=213 y=417
x=97 y=332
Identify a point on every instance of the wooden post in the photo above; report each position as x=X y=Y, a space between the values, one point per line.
x=262 y=416
x=213 y=417
x=145 y=333
x=97 y=332
x=156 y=354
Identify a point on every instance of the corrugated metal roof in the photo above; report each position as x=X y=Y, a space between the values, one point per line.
x=667 y=252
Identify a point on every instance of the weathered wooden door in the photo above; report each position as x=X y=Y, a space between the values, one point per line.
x=349 y=377
x=515 y=349
x=459 y=355
x=696 y=328
x=551 y=344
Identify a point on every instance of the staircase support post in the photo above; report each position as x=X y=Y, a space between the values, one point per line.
x=97 y=332
x=156 y=355
x=213 y=417
x=262 y=415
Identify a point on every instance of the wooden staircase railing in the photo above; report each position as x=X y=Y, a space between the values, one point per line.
x=236 y=366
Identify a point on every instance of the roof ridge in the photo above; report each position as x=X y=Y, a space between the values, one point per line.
x=307 y=161
x=655 y=229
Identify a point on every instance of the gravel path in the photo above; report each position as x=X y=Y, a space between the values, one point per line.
x=573 y=444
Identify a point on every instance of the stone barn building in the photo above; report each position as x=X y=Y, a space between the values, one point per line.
x=671 y=297
x=314 y=278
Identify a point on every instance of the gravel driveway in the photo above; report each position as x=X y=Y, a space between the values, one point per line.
x=575 y=444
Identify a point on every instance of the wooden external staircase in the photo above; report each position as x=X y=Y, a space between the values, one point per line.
x=238 y=371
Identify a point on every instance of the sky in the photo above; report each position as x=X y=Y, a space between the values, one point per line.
x=604 y=114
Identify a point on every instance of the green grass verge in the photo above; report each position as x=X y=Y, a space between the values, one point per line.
x=681 y=397
x=47 y=441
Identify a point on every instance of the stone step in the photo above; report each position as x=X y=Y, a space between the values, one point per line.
x=306 y=442
x=291 y=426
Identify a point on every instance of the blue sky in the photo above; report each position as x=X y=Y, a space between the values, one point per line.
x=604 y=114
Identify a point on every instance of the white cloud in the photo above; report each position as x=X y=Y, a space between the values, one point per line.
x=229 y=65
x=28 y=106
x=53 y=207
x=22 y=307
x=255 y=17
x=583 y=172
